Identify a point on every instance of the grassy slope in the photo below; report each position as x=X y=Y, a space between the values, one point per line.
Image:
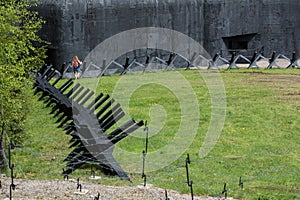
x=259 y=141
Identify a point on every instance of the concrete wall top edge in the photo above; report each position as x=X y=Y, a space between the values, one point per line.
x=254 y=1
x=120 y=3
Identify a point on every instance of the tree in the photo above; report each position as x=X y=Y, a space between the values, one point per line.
x=21 y=52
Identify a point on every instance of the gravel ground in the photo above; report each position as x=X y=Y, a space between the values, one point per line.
x=67 y=189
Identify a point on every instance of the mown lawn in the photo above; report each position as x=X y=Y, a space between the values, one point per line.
x=259 y=142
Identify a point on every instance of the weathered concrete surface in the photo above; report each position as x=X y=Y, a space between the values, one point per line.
x=274 y=24
x=75 y=27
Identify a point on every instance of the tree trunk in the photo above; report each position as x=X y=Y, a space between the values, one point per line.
x=3 y=163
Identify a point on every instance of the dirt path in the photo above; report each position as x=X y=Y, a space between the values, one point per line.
x=63 y=190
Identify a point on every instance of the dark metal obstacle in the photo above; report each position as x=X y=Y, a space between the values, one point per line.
x=132 y=64
x=173 y=61
x=237 y=57
x=274 y=58
x=294 y=61
x=88 y=122
x=234 y=59
x=255 y=58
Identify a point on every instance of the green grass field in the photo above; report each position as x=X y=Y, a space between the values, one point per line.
x=260 y=139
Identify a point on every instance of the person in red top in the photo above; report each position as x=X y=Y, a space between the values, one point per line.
x=76 y=66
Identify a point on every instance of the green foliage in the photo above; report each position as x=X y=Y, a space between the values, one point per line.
x=21 y=52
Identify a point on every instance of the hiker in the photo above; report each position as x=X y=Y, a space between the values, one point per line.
x=76 y=66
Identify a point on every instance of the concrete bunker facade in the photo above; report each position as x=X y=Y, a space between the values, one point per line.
x=75 y=27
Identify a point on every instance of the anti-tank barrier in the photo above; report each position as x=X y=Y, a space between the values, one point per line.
x=173 y=61
x=89 y=124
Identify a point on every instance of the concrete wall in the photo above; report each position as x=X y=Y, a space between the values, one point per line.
x=229 y=18
x=74 y=27
x=274 y=24
x=77 y=26
x=281 y=25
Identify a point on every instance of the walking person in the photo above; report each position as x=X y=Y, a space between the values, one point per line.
x=76 y=66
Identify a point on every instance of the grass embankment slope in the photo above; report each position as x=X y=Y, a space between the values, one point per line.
x=260 y=140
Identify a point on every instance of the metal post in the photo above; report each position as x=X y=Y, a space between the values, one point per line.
x=224 y=191
x=144 y=154
x=187 y=161
x=11 y=167
x=189 y=182
x=147 y=137
x=166 y=195
x=143 y=168
x=241 y=184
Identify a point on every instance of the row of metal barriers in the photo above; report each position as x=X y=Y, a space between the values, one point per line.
x=175 y=61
